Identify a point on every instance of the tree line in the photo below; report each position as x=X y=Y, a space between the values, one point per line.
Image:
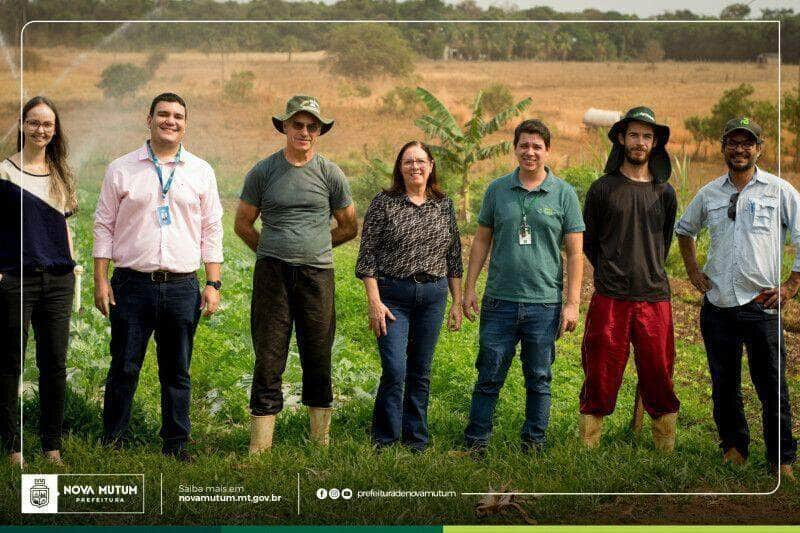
x=648 y=40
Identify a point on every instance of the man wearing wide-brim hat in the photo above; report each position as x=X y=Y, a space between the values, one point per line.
x=629 y=214
x=302 y=104
x=748 y=213
x=295 y=191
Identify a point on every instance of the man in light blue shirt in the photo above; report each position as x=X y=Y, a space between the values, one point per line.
x=748 y=213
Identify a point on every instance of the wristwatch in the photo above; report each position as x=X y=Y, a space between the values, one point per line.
x=216 y=284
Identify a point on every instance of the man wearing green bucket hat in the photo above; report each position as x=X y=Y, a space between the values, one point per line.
x=748 y=213
x=629 y=215
x=295 y=191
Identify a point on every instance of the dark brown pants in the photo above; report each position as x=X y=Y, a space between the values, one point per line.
x=283 y=295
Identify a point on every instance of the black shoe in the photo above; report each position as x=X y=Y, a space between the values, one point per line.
x=115 y=443
x=180 y=455
x=383 y=446
x=532 y=447
x=415 y=449
x=476 y=452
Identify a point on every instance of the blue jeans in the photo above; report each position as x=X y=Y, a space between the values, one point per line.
x=171 y=310
x=503 y=325
x=401 y=405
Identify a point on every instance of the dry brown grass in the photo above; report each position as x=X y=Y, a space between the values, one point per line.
x=237 y=135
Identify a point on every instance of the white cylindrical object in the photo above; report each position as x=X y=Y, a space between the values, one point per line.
x=597 y=118
x=76 y=301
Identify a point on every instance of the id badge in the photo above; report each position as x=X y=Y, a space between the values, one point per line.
x=163 y=216
x=524 y=234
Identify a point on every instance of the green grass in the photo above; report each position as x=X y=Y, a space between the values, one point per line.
x=221 y=372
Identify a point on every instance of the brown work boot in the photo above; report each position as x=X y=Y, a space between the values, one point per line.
x=17 y=461
x=787 y=472
x=320 y=418
x=664 y=432
x=590 y=427
x=733 y=456
x=54 y=457
x=261 y=429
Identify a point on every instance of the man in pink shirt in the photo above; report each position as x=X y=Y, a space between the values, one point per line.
x=158 y=217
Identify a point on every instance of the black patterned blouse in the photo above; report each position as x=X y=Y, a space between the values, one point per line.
x=400 y=238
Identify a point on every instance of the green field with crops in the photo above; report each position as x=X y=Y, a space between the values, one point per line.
x=221 y=375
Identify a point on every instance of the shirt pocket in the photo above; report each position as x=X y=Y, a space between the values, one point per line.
x=764 y=210
x=717 y=213
x=186 y=197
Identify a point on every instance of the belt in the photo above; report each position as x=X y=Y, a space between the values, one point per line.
x=423 y=277
x=61 y=269
x=159 y=276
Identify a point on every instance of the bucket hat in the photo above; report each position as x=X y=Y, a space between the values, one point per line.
x=302 y=103
x=659 y=162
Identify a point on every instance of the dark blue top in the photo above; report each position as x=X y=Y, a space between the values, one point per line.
x=44 y=226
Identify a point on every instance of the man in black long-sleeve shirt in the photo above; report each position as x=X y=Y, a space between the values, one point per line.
x=629 y=215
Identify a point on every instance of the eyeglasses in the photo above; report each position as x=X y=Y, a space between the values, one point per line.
x=746 y=145
x=35 y=125
x=732 y=206
x=408 y=163
x=311 y=127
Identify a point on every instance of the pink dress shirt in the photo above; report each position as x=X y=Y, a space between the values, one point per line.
x=126 y=229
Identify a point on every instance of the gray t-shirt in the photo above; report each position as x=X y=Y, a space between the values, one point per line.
x=296 y=206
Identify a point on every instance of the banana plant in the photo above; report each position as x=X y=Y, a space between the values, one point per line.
x=462 y=147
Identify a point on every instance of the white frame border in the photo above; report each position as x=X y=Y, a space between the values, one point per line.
x=425 y=21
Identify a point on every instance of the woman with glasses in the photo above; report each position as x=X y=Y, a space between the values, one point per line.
x=36 y=274
x=410 y=254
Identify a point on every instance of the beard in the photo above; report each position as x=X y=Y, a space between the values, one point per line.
x=637 y=158
x=749 y=163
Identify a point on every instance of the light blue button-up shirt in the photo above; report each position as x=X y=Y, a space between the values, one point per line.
x=744 y=256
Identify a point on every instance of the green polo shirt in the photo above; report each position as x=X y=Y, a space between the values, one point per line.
x=528 y=273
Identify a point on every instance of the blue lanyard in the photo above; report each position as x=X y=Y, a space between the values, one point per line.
x=164 y=187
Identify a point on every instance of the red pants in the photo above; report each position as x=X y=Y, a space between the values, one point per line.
x=611 y=327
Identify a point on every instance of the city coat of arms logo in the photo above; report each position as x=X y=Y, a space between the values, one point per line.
x=40 y=493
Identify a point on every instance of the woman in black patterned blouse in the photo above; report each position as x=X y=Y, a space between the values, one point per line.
x=410 y=254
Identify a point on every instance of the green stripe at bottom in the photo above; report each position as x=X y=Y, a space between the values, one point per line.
x=621 y=529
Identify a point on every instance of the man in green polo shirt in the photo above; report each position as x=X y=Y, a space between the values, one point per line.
x=525 y=217
x=296 y=192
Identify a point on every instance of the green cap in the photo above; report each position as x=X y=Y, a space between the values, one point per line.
x=302 y=103
x=743 y=124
